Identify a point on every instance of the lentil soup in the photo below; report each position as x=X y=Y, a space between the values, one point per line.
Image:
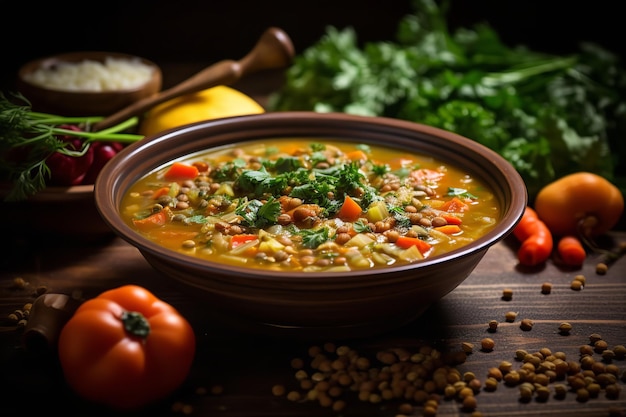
x=304 y=204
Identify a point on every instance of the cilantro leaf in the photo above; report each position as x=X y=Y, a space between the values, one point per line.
x=257 y=214
x=312 y=238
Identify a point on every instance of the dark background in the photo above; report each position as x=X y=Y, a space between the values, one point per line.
x=208 y=31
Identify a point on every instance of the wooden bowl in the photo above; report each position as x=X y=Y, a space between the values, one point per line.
x=324 y=304
x=82 y=102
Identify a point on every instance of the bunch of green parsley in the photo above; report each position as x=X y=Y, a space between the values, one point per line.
x=548 y=115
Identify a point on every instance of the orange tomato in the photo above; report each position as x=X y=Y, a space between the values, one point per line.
x=582 y=203
x=126 y=348
x=535 y=237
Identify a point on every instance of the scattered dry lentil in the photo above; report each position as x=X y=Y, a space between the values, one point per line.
x=487 y=344
x=424 y=377
x=600 y=346
x=512 y=378
x=525 y=392
x=546 y=288
x=493 y=325
x=20 y=283
x=608 y=355
x=520 y=354
x=565 y=328
x=526 y=324
x=586 y=350
x=507 y=294
x=217 y=389
x=467 y=347
x=620 y=351
x=505 y=366
x=491 y=384
x=602 y=268
x=469 y=403
x=294 y=396
x=510 y=316
x=576 y=285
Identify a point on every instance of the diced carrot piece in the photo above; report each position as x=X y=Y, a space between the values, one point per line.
x=451 y=219
x=449 y=229
x=357 y=155
x=350 y=210
x=407 y=242
x=180 y=171
x=160 y=192
x=154 y=220
x=237 y=240
x=455 y=205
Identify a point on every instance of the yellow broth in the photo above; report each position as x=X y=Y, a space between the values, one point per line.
x=311 y=205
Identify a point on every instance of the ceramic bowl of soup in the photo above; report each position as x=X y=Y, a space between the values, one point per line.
x=311 y=223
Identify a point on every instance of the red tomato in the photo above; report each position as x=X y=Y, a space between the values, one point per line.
x=126 y=348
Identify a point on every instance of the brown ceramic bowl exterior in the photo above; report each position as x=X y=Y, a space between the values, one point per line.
x=73 y=103
x=354 y=303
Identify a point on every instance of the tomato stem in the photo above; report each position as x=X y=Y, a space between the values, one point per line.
x=136 y=324
x=584 y=232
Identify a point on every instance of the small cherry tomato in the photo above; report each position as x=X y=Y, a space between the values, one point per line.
x=102 y=153
x=535 y=237
x=66 y=170
x=126 y=348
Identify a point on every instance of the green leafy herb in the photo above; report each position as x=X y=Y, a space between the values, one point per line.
x=287 y=164
x=380 y=170
x=229 y=171
x=402 y=220
x=259 y=183
x=547 y=115
x=28 y=138
x=312 y=238
x=361 y=227
x=198 y=219
x=460 y=192
x=257 y=214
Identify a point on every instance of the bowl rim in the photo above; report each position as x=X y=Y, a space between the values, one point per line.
x=78 y=56
x=224 y=129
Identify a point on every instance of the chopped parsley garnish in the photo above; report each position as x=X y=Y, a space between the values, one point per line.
x=229 y=171
x=361 y=227
x=257 y=214
x=402 y=220
x=380 y=170
x=312 y=238
x=198 y=218
x=460 y=192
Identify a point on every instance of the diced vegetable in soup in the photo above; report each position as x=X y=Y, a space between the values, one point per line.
x=311 y=205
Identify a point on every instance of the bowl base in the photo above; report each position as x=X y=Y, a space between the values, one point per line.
x=229 y=324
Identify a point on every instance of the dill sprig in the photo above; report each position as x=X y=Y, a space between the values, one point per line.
x=28 y=138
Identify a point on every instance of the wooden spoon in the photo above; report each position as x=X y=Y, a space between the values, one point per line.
x=273 y=50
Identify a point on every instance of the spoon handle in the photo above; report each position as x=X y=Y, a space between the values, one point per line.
x=273 y=50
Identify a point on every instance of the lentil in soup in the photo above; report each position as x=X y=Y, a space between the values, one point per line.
x=310 y=205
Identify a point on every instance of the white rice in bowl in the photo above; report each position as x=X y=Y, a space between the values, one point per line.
x=89 y=75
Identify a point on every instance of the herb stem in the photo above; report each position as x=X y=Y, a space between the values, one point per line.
x=497 y=79
x=38 y=136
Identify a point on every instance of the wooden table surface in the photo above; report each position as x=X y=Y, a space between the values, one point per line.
x=246 y=365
